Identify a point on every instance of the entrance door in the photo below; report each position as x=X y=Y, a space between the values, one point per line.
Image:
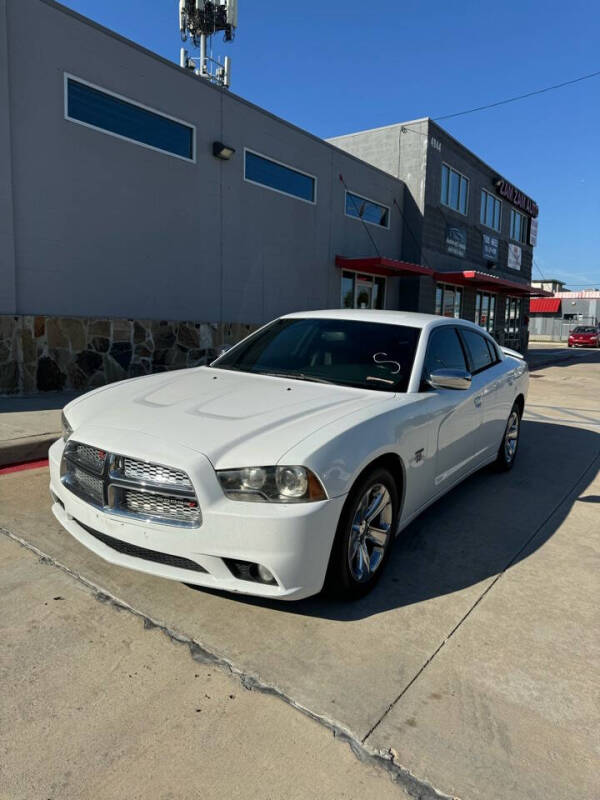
x=364 y=294
x=362 y=291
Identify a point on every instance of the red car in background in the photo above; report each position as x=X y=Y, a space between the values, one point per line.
x=584 y=336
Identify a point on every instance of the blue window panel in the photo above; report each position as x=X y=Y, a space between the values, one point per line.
x=276 y=176
x=445 y=180
x=117 y=116
x=455 y=190
x=366 y=210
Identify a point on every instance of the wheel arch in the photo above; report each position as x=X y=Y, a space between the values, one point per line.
x=392 y=462
x=520 y=403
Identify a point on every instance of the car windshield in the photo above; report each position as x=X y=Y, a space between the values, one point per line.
x=368 y=355
x=584 y=329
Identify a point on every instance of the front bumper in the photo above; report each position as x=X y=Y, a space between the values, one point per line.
x=292 y=540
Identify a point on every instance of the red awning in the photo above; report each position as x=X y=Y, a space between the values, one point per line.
x=490 y=283
x=382 y=266
x=469 y=277
x=543 y=305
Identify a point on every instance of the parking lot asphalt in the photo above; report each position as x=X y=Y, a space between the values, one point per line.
x=474 y=663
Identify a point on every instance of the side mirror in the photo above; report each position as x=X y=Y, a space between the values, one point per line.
x=450 y=379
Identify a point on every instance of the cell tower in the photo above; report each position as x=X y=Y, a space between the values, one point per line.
x=199 y=21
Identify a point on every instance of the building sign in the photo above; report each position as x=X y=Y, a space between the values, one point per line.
x=533 y=228
x=516 y=197
x=456 y=240
x=514 y=256
x=490 y=247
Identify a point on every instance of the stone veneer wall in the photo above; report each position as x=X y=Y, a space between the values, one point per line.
x=41 y=354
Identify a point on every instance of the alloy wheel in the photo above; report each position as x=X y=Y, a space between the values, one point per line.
x=370 y=532
x=511 y=437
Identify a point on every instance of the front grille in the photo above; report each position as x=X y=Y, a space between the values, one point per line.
x=142 y=552
x=89 y=457
x=158 y=505
x=86 y=484
x=125 y=485
x=145 y=472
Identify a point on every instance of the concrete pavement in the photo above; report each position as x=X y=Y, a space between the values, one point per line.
x=95 y=706
x=475 y=661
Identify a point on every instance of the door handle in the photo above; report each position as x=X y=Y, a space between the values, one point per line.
x=477 y=400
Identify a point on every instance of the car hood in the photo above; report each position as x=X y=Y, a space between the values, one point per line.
x=235 y=419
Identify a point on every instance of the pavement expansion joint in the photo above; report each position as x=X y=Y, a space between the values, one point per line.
x=572 y=489
x=385 y=759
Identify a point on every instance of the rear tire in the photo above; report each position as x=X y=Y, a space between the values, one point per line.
x=364 y=536
x=510 y=441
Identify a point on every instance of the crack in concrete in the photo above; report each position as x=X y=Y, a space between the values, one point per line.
x=384 y=759
x=571 y=491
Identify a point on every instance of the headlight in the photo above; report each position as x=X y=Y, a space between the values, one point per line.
x=271 y=484
x=67 y=430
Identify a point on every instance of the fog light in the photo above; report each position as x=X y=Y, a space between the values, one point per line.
x=265 y=575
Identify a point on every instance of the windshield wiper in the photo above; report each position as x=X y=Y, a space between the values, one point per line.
x=300 y=376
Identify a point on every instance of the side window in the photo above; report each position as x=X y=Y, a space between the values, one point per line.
x=444 y=351
x=478 y=350
x=493 y=351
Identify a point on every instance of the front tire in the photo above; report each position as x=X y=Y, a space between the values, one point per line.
x=510 y=441
x=364 y=536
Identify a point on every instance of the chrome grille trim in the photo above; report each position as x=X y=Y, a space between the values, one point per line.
x=158 y=505
x=131 y=487
x=87 y=484
x=148 y=472
x=90 y=457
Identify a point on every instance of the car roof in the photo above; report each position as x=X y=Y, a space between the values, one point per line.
x=412 y=319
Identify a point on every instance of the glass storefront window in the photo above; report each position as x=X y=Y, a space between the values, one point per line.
x=512 y=317
x=485 y=310
x=362 y=291
x=347 y=290
x=448 y=300
x=378 y=292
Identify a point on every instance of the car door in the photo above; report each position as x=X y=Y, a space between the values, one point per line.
x=457 y=413
x=494 y=387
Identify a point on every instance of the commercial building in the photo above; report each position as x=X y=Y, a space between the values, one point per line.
x=552 y=318
x=148 y=216
x=549 y=285
x=473 y=229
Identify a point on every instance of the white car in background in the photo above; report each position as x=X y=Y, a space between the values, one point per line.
x=293 y=460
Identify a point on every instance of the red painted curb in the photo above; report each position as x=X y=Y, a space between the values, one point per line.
x=22 y=467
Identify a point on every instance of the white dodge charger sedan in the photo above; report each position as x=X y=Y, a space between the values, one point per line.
x=293 y=461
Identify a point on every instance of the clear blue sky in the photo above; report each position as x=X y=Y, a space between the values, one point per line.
x=354 y=65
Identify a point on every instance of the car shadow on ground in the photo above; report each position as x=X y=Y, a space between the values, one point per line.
x=542 y=359
x=484 y=526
